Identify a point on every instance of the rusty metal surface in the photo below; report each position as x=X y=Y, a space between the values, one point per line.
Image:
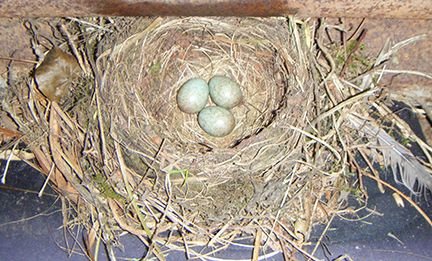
x=413 y=9
x=14 y=46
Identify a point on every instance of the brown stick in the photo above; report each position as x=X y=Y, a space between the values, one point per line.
x=414 y=9
x=408 y=199
x=358 y=42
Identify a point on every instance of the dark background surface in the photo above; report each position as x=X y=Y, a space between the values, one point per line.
x=31 y=228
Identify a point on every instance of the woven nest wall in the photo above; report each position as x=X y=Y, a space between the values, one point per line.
x=146 y=71
x=218 y=178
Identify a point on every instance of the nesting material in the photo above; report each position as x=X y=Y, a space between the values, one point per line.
x=129 y=160
x=157 y=62
x=262 y=148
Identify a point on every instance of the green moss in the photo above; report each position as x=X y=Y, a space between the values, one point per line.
x=359 y=62
x=105 y=188
x=406 y=142
x=351 y=45
x=350 y=174
x=340 y=59
x=155 y=68
x=180 y=174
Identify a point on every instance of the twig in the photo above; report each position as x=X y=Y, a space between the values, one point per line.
x=327 y=55
x=372 y=169
x=123 y=224
x=18 y=60
x=359 y=173
x=219 y=233
x=152 y=248
x=89 y=24
x=333 y=150
x=298 y=248
x=409 y=72
x=344 y=103
x=425 y=216
x=101 y=128
x=322 y=235
x=3 y=179
x=350 y=55
x=65 y=32
x=255 y=254
x=358 y=29
x=12 y=188
x=46 y=180
x=144 y=176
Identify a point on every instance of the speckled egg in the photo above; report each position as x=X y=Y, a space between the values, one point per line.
x=225 y=92
x=216 y=121
x=193 y=95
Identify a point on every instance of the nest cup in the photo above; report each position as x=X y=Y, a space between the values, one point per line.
x=145 y=72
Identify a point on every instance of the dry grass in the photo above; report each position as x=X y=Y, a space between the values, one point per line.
x=155 y=134
x=129 y=161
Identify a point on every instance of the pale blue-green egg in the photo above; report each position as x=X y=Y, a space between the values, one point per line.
x=216 y=121
x=225 y=92
x=193 y=95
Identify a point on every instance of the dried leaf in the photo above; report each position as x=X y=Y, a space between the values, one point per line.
x=56 y=73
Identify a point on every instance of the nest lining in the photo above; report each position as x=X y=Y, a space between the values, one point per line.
x=145 y=74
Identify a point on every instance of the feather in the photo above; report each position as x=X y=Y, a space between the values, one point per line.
x=407 y=170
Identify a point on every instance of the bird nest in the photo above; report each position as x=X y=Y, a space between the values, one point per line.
x=155 y=63
x=120 y=150
x=138 y=95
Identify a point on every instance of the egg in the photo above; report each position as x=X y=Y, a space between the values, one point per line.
x=193 y=95
x=225 y=92
x=216 y=121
